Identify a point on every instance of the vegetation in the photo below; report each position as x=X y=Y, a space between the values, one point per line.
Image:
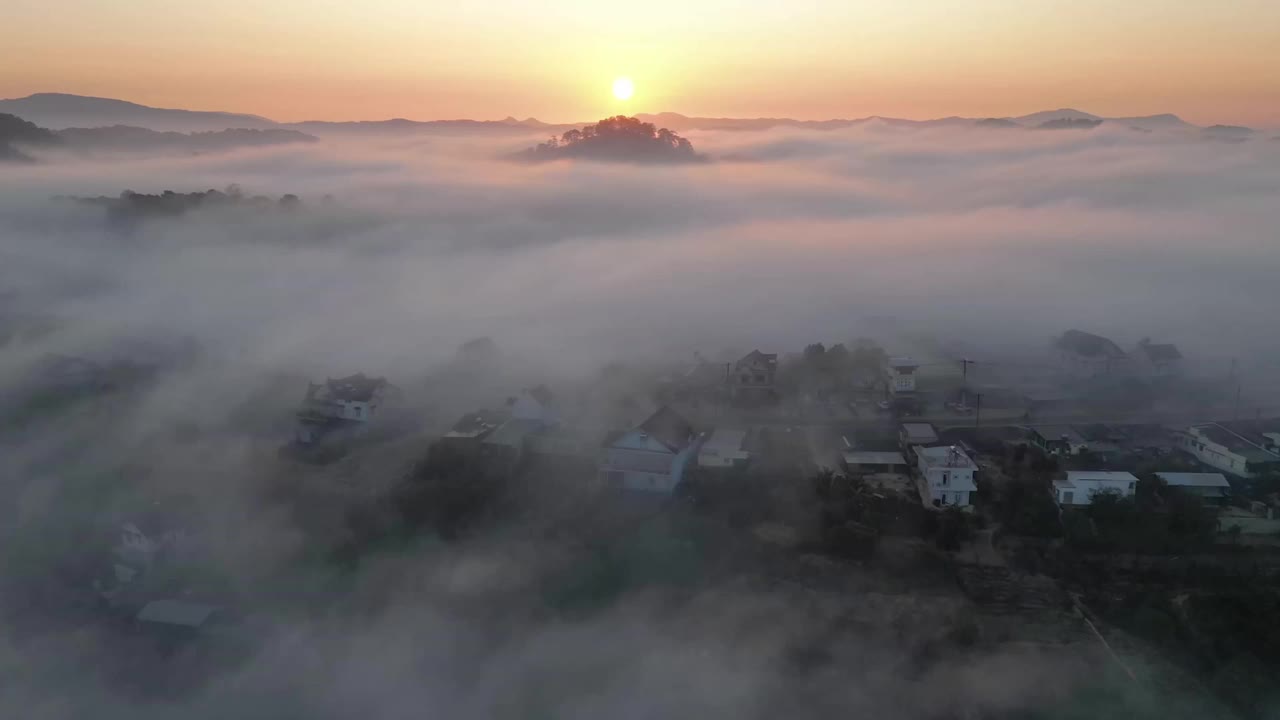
x=131 y=205
x=619 y=139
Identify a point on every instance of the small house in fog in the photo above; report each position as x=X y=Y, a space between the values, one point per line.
x=1158 y=360
x=1211 y=487
x=753 y=378
x=726 y=448
x=946 y=476
x=870 y=462
x=901 y=372
x=913 y=434
x=653 y=456
x=341 y=405
x=1085 y=355
x=1057 y=439
x=1080 y=487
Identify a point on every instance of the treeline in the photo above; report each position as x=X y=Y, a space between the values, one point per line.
x=132 y=205
x=619 y=138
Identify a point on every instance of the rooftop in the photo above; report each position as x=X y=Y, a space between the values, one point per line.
x=1251 y=452
x=1088 y=345
x=1059 y=432
x=1160 y=352
x=476 y=424
x=945 y=456
x=902 y=361
x=1080 y=478
x=669 y=428
x=1194 y=479
x=755 y=356
x=176 y=612
x=512 y=432
x=352 y=388
x=920 y=432
x=726 y=440
x=873 y=457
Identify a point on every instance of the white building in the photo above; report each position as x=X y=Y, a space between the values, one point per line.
x=901 y=372
x=651 y=457
x=1222 y=449
x=1080 y=487
x=725 y=448
x=946 y=476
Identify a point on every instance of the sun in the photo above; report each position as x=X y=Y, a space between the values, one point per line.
x=623 y=88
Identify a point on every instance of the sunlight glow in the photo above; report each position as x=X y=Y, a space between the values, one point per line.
x=623 y=88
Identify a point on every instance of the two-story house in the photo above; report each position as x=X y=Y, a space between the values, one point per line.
x=1079 y=488
x=652 y=456
x=1222 y=449
x=946 y=476
x=901 y=375
x=752 y=378
x=1085 y=355
x=341 y=404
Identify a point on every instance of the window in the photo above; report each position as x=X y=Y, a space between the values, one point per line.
x=945 y=478
x=1068 y=497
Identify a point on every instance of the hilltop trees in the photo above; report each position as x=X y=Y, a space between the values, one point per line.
x=620 y=138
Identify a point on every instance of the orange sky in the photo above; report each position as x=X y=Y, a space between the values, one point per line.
x=325 y=59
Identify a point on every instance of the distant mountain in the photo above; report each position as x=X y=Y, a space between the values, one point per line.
x=997 y=123
x=136 y=139
x=510 y=126
x=16 y=133
x=1069 y=124
x=1039 y=118
x=58 y=111
x=1167 y=121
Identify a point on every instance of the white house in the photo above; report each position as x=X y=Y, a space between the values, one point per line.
x=1079 y=487
x=1222 y=449
x=348 y=402
x=1213 y=487
x=1158 y=360
x=946 y=476
x=1085 y=355
x=901 y=372
x=725 y=448
x=651 y=457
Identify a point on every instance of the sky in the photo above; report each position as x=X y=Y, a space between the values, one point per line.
x=298 y=59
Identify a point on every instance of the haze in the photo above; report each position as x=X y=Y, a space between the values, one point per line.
x=292 y=60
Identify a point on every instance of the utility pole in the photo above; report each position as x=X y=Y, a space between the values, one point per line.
x=977 y=418
x=964 y=382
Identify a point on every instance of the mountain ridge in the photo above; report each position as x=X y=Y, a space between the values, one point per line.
x=64 y=110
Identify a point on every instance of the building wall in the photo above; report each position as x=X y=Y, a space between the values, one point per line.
x=943 y=492
x=1213 y=454
x=1082 y=494
x=638 y=462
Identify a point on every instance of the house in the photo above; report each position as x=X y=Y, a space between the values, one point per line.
x=345 y=404
x=726 y=448
x=912 y=434
x=752 y=378
x=901 y=373
x=177 y=615
x=865 y=462
x=651 y=457
x=946 y=476
x=1057 y=439
x=536 y=404
x=1079 y=487
x=1085 y=355
x=1158 y=360
x=1222 y=449
x=474 y=427
x=1212 y=487
x=146 y=536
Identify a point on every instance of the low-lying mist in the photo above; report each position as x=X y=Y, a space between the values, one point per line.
x=402 y=248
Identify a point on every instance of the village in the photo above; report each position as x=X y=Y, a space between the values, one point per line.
x=834 y=463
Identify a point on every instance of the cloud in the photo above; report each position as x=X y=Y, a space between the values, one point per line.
x=999 y=239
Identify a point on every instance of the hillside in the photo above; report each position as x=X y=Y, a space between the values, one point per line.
x=58 y=111
x=616 y=139
x=124 y=138
x=16 y=133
